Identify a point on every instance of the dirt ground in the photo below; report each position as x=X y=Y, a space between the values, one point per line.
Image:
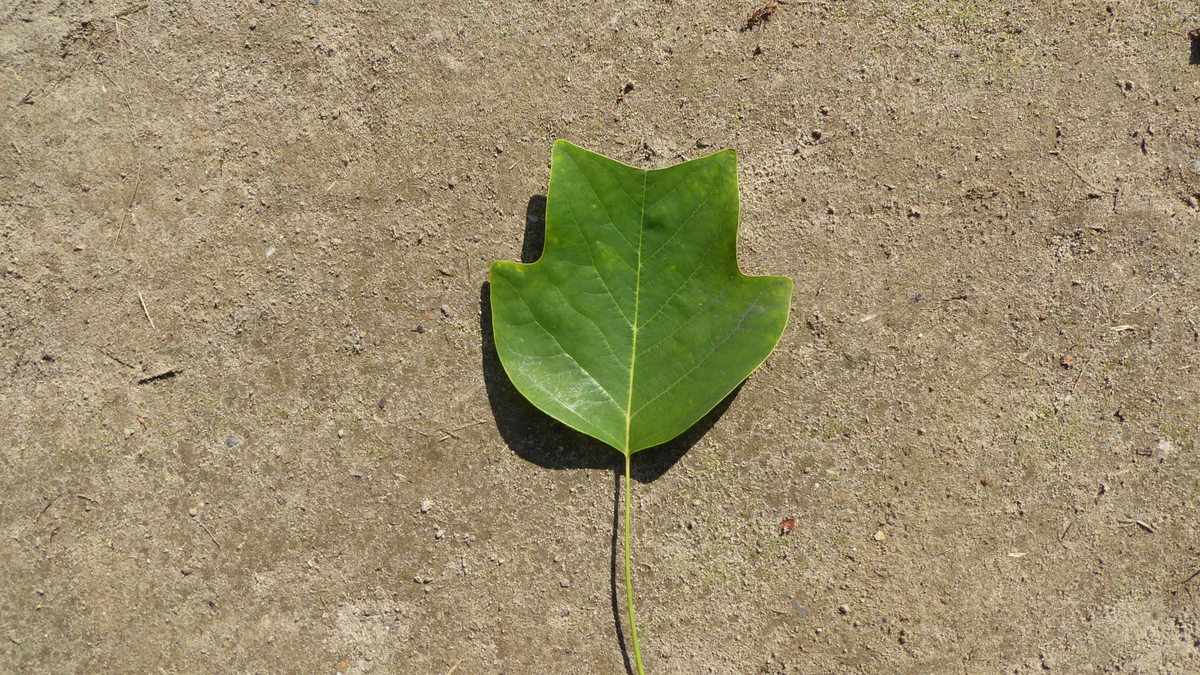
x=982 y=415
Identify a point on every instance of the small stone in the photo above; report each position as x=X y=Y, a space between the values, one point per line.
x=880 y=535
x=565 y=583
x=439 y=533
x=232 y=441
x=445 y=310
x=419 y=329
x=816 y=134
x=452 y=182
x=629 y=86
x=193 y=512
x=843 y=609
x=1192 y=202
x=426 y=505
x=914 y=212
x=341 y=433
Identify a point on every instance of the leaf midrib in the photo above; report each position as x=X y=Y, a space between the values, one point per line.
x=637 y=293
x=628 y=410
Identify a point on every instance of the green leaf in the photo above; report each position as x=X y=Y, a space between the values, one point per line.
x=636 y=321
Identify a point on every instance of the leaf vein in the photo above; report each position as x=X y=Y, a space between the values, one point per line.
x=596 y=269
x=565 y=351
x=608 y=214
x=701 y=361
x=683 y=223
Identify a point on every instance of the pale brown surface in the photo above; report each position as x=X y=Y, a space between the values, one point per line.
x=294 y=188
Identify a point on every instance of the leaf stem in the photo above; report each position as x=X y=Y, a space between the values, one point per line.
x=637 y=654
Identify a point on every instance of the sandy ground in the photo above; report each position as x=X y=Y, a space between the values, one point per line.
x=982 y=416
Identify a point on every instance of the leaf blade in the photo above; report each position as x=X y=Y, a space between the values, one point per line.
x=636 y=320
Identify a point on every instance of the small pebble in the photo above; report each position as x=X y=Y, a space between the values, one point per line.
x=843 y=609
x=439 y=533
x=445 y=309
x=341 y=433
x=880 y=535
x=565 y=583
x=232 y=441
x=193 y=512
x=426 y=505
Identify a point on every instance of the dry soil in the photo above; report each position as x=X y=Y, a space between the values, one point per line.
x=252 y=420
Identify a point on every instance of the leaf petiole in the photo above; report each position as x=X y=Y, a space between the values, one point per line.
x=637 y=654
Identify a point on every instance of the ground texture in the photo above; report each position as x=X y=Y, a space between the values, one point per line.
x=982 y=416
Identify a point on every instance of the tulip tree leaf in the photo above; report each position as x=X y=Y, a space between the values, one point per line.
x=636 y=320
